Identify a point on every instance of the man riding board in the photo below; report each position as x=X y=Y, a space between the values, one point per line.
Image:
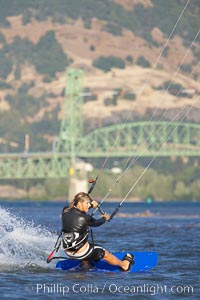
x=75 y=231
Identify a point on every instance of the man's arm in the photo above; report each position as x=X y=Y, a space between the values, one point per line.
x=97 y=222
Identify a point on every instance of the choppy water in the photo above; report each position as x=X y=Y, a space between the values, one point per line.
x=28 y=231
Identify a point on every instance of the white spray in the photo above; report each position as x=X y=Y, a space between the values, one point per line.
x=22 y=243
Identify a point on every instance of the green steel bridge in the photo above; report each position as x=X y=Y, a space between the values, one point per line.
x=139 y=139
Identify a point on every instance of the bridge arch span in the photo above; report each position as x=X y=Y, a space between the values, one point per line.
x=142 y=138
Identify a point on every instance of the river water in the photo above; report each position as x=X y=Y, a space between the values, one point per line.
x=28 y=231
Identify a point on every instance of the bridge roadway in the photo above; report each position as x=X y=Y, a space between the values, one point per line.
x=33 y=155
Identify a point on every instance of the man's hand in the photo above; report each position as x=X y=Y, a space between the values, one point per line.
x=107 y=216
x=94 y=203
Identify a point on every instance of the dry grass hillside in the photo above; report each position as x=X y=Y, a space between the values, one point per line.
x=85 y=45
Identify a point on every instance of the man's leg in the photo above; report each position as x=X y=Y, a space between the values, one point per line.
x=85 y=264
x=113 y=260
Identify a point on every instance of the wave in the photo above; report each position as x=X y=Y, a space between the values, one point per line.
x=22 y=243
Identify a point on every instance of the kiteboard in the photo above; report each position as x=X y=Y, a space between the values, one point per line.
x=143 y=261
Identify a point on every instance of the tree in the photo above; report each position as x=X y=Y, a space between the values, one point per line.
x=109 y=62
x=181 y=191
x=143 y=62
x=48 y=56
x=6 y=65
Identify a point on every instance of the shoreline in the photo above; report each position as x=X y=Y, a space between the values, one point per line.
x=109 y=200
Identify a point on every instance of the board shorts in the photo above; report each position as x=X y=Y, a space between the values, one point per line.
x=92 y=252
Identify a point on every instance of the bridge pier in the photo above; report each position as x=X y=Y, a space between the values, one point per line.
x=78 y=179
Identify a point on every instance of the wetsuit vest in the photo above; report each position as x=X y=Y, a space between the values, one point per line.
x=75 y=228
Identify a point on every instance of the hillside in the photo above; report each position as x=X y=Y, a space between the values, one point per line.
x=122 y=47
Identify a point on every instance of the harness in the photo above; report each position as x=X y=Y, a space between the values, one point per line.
x=73 y=240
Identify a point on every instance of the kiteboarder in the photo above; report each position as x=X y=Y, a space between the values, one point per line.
x=75 y=230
